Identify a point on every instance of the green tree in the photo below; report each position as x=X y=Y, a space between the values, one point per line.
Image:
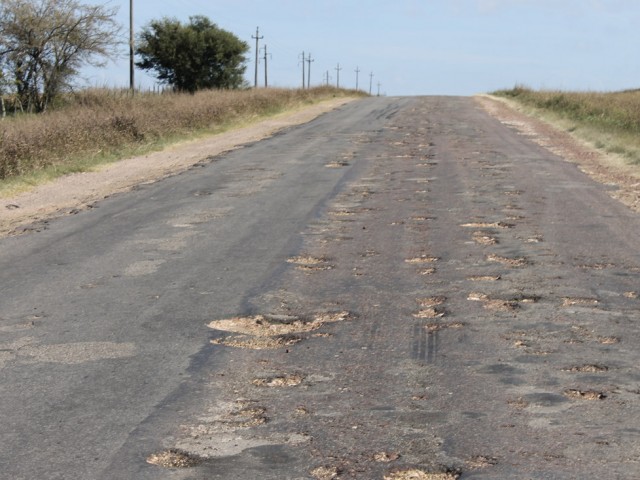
x=194 y=56
x=43 y=44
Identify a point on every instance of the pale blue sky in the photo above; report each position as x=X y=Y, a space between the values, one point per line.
x=450 y=47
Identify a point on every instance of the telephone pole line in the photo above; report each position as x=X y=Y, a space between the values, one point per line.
x=337 y=69
x=265 y=66
x=309 y=60
x=370 y=82
x=131 y=49
x=257 y=38
x=357 y=70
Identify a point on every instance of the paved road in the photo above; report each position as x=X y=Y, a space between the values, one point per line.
x=402 y=284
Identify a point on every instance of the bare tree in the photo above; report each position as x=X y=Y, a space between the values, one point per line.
x=43 y=44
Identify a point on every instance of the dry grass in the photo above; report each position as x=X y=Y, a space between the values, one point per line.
x=97 y=126
x=609 y=121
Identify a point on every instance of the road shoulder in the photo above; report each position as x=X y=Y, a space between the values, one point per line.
x=602 y=167
x=73 y=193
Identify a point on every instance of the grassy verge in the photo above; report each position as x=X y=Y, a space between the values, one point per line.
x=100 y=126
x=608 y=121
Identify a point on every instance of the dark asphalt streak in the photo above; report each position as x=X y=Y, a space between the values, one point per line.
x=491 y=290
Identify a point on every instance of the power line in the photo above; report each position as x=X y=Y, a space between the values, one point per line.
x=337 y=69
x=309 y=60
x=357 y=70
x=303 y=78
x=257 y=38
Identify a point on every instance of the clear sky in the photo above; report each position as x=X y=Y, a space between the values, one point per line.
x=420 y=47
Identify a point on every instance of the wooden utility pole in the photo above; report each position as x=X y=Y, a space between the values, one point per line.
x=378 y=88
x=309 y=60
x=370 y=82
x=131 y=49
x=337 y=69
x=257 y=38
x=265 y=67
x=357 y=70
x=303 y=79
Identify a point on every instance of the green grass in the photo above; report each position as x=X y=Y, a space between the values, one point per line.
x=608 y=121
x=94 y=127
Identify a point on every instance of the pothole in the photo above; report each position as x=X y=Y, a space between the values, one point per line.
x=310 y=263
x=579 y=301
x=479 y=462
x=337 y=164
x=262 y=325
x=174 y=458
x=342 y=213
x=325 y=473
x=584 y=394
x=421 y=259
x=519 y=403
x=535 y=239
x=307 y=260
x=385 y=457
x=597 y=266
x=502 y=225
x=427 y=271
x=588 y=368
x=277 y=325
x=415 y=474
x=279 y=381
x=608 y=340
x=258 y=343
x=496 y=305
x=430 y=312
x=482 y=238
x=511 y=262
x=432 y=301
x=436 y=327
x=501 y=305
x=484 y=278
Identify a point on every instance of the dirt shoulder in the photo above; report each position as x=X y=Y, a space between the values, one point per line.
x=72 y=193
x=604 y=168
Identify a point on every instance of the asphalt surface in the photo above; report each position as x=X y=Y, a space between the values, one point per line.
x=402 y=285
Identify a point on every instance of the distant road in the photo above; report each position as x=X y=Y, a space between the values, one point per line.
x=402 y=285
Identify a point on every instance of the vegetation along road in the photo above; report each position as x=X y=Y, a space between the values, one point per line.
x=403 y=288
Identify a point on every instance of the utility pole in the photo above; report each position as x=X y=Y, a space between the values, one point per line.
x=265 y=67
x=257 y=38
x=337 y=69
x=131 y=49
x=309 y=60
x=370 y=82
x=327 y=78
x=357 y=70
x=303 y=79
x=378 y=88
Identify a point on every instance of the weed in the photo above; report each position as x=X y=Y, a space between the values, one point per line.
x=98 y=126
x=608 y=120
